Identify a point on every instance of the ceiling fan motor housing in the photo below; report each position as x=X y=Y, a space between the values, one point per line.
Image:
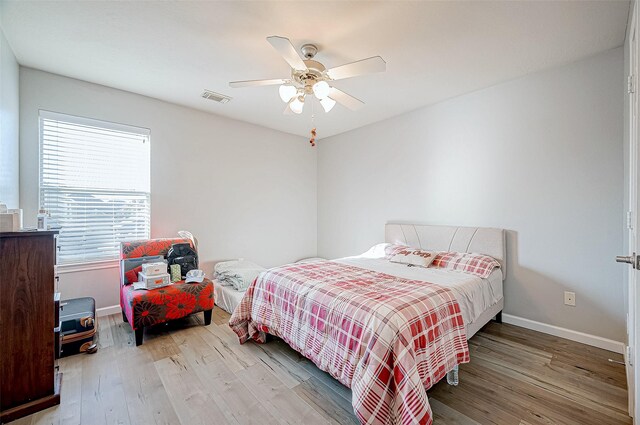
x=315 y=72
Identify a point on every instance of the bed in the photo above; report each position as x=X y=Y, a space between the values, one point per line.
x=227 y=298
x=484 y=240
x=387 y=331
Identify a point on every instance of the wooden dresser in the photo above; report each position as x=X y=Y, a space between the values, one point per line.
x=29 y=324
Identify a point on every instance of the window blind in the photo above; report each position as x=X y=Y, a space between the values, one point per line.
x=95 y=184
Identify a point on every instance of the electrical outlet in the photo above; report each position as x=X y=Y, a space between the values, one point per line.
x=570 y=298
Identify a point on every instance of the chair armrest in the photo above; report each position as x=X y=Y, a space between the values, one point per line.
x=121 y=274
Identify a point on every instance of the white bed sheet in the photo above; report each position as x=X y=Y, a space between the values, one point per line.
x=226 y=297
x=474 y=294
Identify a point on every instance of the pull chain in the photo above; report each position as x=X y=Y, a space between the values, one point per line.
x=312 y=141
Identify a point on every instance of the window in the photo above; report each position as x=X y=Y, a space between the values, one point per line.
x=94 y=182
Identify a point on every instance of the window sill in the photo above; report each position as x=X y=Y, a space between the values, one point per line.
x=85 y=267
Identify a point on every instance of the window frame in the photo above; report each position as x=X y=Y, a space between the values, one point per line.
x=43 y=114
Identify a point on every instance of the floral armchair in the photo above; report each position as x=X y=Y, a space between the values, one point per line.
x=142 y=308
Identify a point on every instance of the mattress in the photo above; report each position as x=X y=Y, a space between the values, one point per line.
x=226 y=297
x=475 y=295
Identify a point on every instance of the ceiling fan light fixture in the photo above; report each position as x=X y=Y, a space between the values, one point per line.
x=297 y=104
x=287 y=92
x=327 y=104
x=321 y=89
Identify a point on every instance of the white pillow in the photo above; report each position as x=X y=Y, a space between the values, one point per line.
x=382 y=250
x=414 y=257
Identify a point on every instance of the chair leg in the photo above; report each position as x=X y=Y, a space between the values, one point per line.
x=124 y=317
x=499 y=317
x=207 y=317
x=139 y=335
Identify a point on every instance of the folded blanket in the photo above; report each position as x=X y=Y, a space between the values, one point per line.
x=237 y=273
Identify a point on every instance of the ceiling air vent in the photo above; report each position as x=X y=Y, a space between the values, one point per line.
x=220 y=98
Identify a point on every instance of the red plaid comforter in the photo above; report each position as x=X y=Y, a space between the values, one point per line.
x=389 y=339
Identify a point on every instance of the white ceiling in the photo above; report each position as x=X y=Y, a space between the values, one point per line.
x=434 y=50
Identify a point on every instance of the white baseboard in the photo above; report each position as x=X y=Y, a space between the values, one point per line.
x=105 y=311
x=596 y=341
x=593 y=340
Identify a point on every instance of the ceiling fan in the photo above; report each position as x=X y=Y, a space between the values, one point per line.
x=311 y=77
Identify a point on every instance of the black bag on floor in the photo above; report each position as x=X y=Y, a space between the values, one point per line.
x=78 y=325
x=183 y=255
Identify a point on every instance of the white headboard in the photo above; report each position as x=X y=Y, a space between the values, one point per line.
x=481 y=240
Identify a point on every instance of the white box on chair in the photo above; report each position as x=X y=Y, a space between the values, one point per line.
x=152 y=282
x=154 y=269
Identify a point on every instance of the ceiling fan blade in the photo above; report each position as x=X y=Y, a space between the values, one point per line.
x=254 y=83
x=345 y=99
x=353 y=69
x=288 y=52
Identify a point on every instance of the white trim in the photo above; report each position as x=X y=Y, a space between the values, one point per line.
x=106 y=311
x=91 y=122
x=85 y=267
x=593 y=340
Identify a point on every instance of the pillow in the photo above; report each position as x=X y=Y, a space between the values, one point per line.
x=310 y=260
x=476 y=264
x=132 y=275
x=129 y=264
x=382 y=250
x=414 y=257
x=392 y=249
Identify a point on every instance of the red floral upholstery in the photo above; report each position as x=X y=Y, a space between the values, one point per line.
x=146 y=308
x=148 y=247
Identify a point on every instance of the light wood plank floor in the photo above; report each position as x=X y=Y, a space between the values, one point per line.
x=189 y=374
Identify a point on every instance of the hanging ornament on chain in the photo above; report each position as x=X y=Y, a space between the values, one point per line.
x=312 y=141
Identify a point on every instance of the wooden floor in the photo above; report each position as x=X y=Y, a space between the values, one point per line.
x=189 y=374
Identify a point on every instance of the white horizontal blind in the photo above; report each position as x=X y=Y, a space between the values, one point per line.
x=94 y=182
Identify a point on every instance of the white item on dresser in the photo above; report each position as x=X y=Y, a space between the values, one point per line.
x=20 y=216
x=10 y=221
x=43 y=220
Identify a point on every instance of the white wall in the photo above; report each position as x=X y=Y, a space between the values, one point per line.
x=540 y=156
x=243 y=190
x=9 y=124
